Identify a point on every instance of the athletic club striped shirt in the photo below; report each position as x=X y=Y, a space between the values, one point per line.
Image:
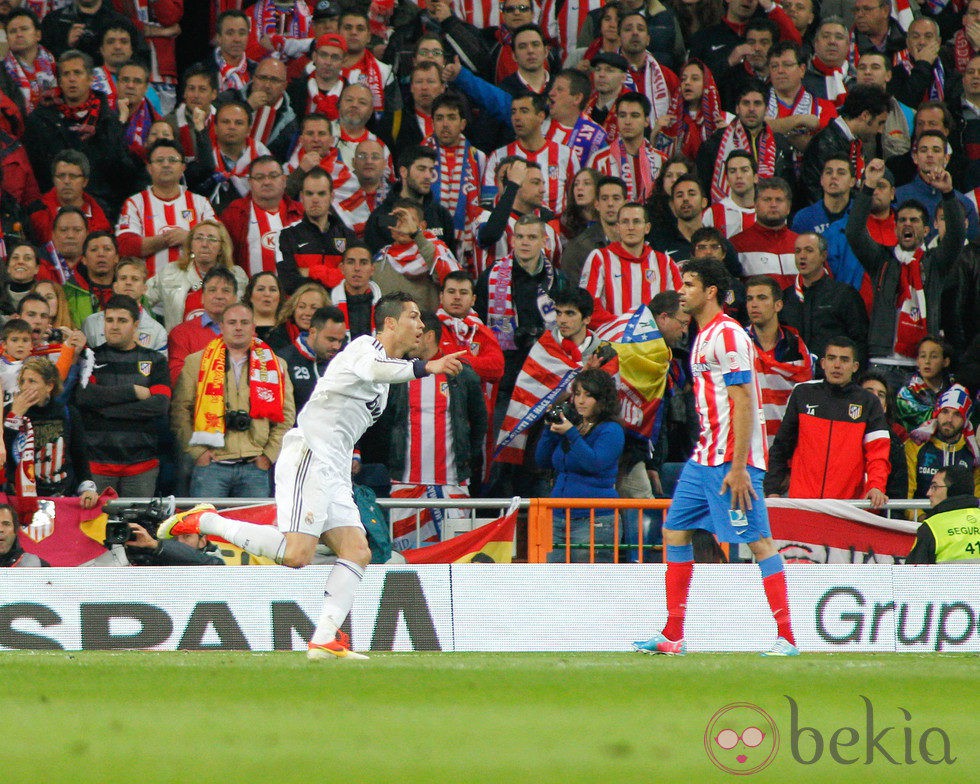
x=146 y=215
x=724 y=356
x=621 y=282
x=429 y=456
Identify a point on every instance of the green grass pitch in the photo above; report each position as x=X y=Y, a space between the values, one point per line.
x=140 y=717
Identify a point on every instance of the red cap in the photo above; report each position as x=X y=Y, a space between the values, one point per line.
x=332 y=39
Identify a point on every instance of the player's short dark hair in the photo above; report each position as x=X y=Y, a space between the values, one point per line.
x=459 y=276
x=578 y=298
x=415 y=153
x=452 y=100
x=31 y=296
x=864 y=98
x=525 y=28
x=959 y=480
x=668 y=302
x=27 y=13
x=710 y=273
x=578 y=84
x=751 y=86
x=638 y=98
x=781 y=47
x=915 y=204
x=539 y=101
x=842 y=341
x=200 y=69
x=124 y=302
x=233 y=13
x=608 y=179
x=98 y=235
x=765 y=280
x=707 y=233
x=229 y=100
x=357 y=245
x=742 y=154
x=316 y=173
x=840 y=157
x=159 y=144
x=391 y=305
x=763 y=24
x=224 y=274
x=327 y=313
x=687 y=178
x=15 y=326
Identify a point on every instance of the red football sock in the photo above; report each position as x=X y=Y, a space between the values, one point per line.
x=678 y=582
x=775 y=587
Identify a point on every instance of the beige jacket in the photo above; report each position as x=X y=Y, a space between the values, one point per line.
x=263 y=438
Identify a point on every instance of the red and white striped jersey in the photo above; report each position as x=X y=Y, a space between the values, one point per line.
x=145 y=215
x=355 y=209
x=615 y=161
x=484 y=258
x=563 y=24
x=724 y=356
x=479 y=13
x=429 y=456
x=263 y=238
x=558 y=166
x=621 y=282
x=728 y=217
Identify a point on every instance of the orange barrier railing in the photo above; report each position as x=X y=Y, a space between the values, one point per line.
x=540 y=518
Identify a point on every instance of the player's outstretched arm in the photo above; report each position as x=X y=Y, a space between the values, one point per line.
x=450 y=364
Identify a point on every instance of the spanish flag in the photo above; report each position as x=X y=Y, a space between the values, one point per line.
x=490 y=543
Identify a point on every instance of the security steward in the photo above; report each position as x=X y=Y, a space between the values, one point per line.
x=951 y=533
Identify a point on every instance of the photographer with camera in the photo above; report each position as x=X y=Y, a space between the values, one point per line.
x=583 y=442
x=232 y=405
x=134 y=526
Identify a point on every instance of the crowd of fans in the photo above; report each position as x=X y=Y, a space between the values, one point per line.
x=201 y=203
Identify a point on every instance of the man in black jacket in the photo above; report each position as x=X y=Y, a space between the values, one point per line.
x=908 y=279
x=417 y=170
x=128 y=387
x=859 y=123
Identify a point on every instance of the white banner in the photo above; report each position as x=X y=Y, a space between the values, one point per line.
x=488 y=607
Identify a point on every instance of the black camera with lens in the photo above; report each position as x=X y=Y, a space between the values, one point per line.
x=559 y=411
x=605 y=352
x=148 y=514
x=237 y=420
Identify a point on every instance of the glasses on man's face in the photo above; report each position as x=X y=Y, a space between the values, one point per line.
x=431 y=53
x=369 y=156
x=172 y=159
x=516 y=9
x=264 y=177
x=204 y=239
x=268 y=78
x=934 y=486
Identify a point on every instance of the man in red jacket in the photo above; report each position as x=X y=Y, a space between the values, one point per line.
x=254 y=221
x=835 y=435
x=767 y=246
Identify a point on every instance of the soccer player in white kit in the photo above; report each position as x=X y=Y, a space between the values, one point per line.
x=314 y=497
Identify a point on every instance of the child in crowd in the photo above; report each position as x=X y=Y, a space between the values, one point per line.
x=918 y=398
x=17 y=346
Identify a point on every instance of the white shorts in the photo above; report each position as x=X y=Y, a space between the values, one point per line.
x=308 y=499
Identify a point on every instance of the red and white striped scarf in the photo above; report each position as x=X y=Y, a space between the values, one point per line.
x=911 y=304
x=25 y=480
x=367 y=71
x=338 y=296
x=324 y=103
x=649 y=79
x=689 y=131
x=268 y=19
x=798 y=286
x=777 y=379
x=501 y=315
x=736 y=138
x=264 y=121
x=405 y=259
x=463 y=329
x=833 y=79
x=425 y=123
x=639 y=184
x=357 y=208
x=231 y=77
x=963 y=50
x=547 y=372
x=42 y=77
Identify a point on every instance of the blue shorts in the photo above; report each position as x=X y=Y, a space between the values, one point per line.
x=697 y=504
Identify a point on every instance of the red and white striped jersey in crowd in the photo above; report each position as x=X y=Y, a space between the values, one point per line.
x=263 y=238
x=615 y=161
x=354 y=210
x=462 y=198
x=657 y=83
x=429 y=455
x=563 y=24
x=724 y=355
x=479 y=13
x=621 y=282
x=145 y=215
x=558 y=166
x=430 y=520
x=484 y=258
x=728 y=217
x=344 y=181
x=777 y=378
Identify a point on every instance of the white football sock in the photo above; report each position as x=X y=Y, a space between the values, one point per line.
x=341 y=586
x=264 y=540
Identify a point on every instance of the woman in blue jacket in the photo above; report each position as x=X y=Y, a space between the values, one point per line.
x=585 y=457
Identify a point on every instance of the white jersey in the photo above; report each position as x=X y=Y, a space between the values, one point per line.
x=349 y=397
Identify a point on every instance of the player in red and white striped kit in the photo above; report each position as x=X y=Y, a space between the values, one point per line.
x=720 y=487
x=154 y=223
x=558 y=164
x=626 y=274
